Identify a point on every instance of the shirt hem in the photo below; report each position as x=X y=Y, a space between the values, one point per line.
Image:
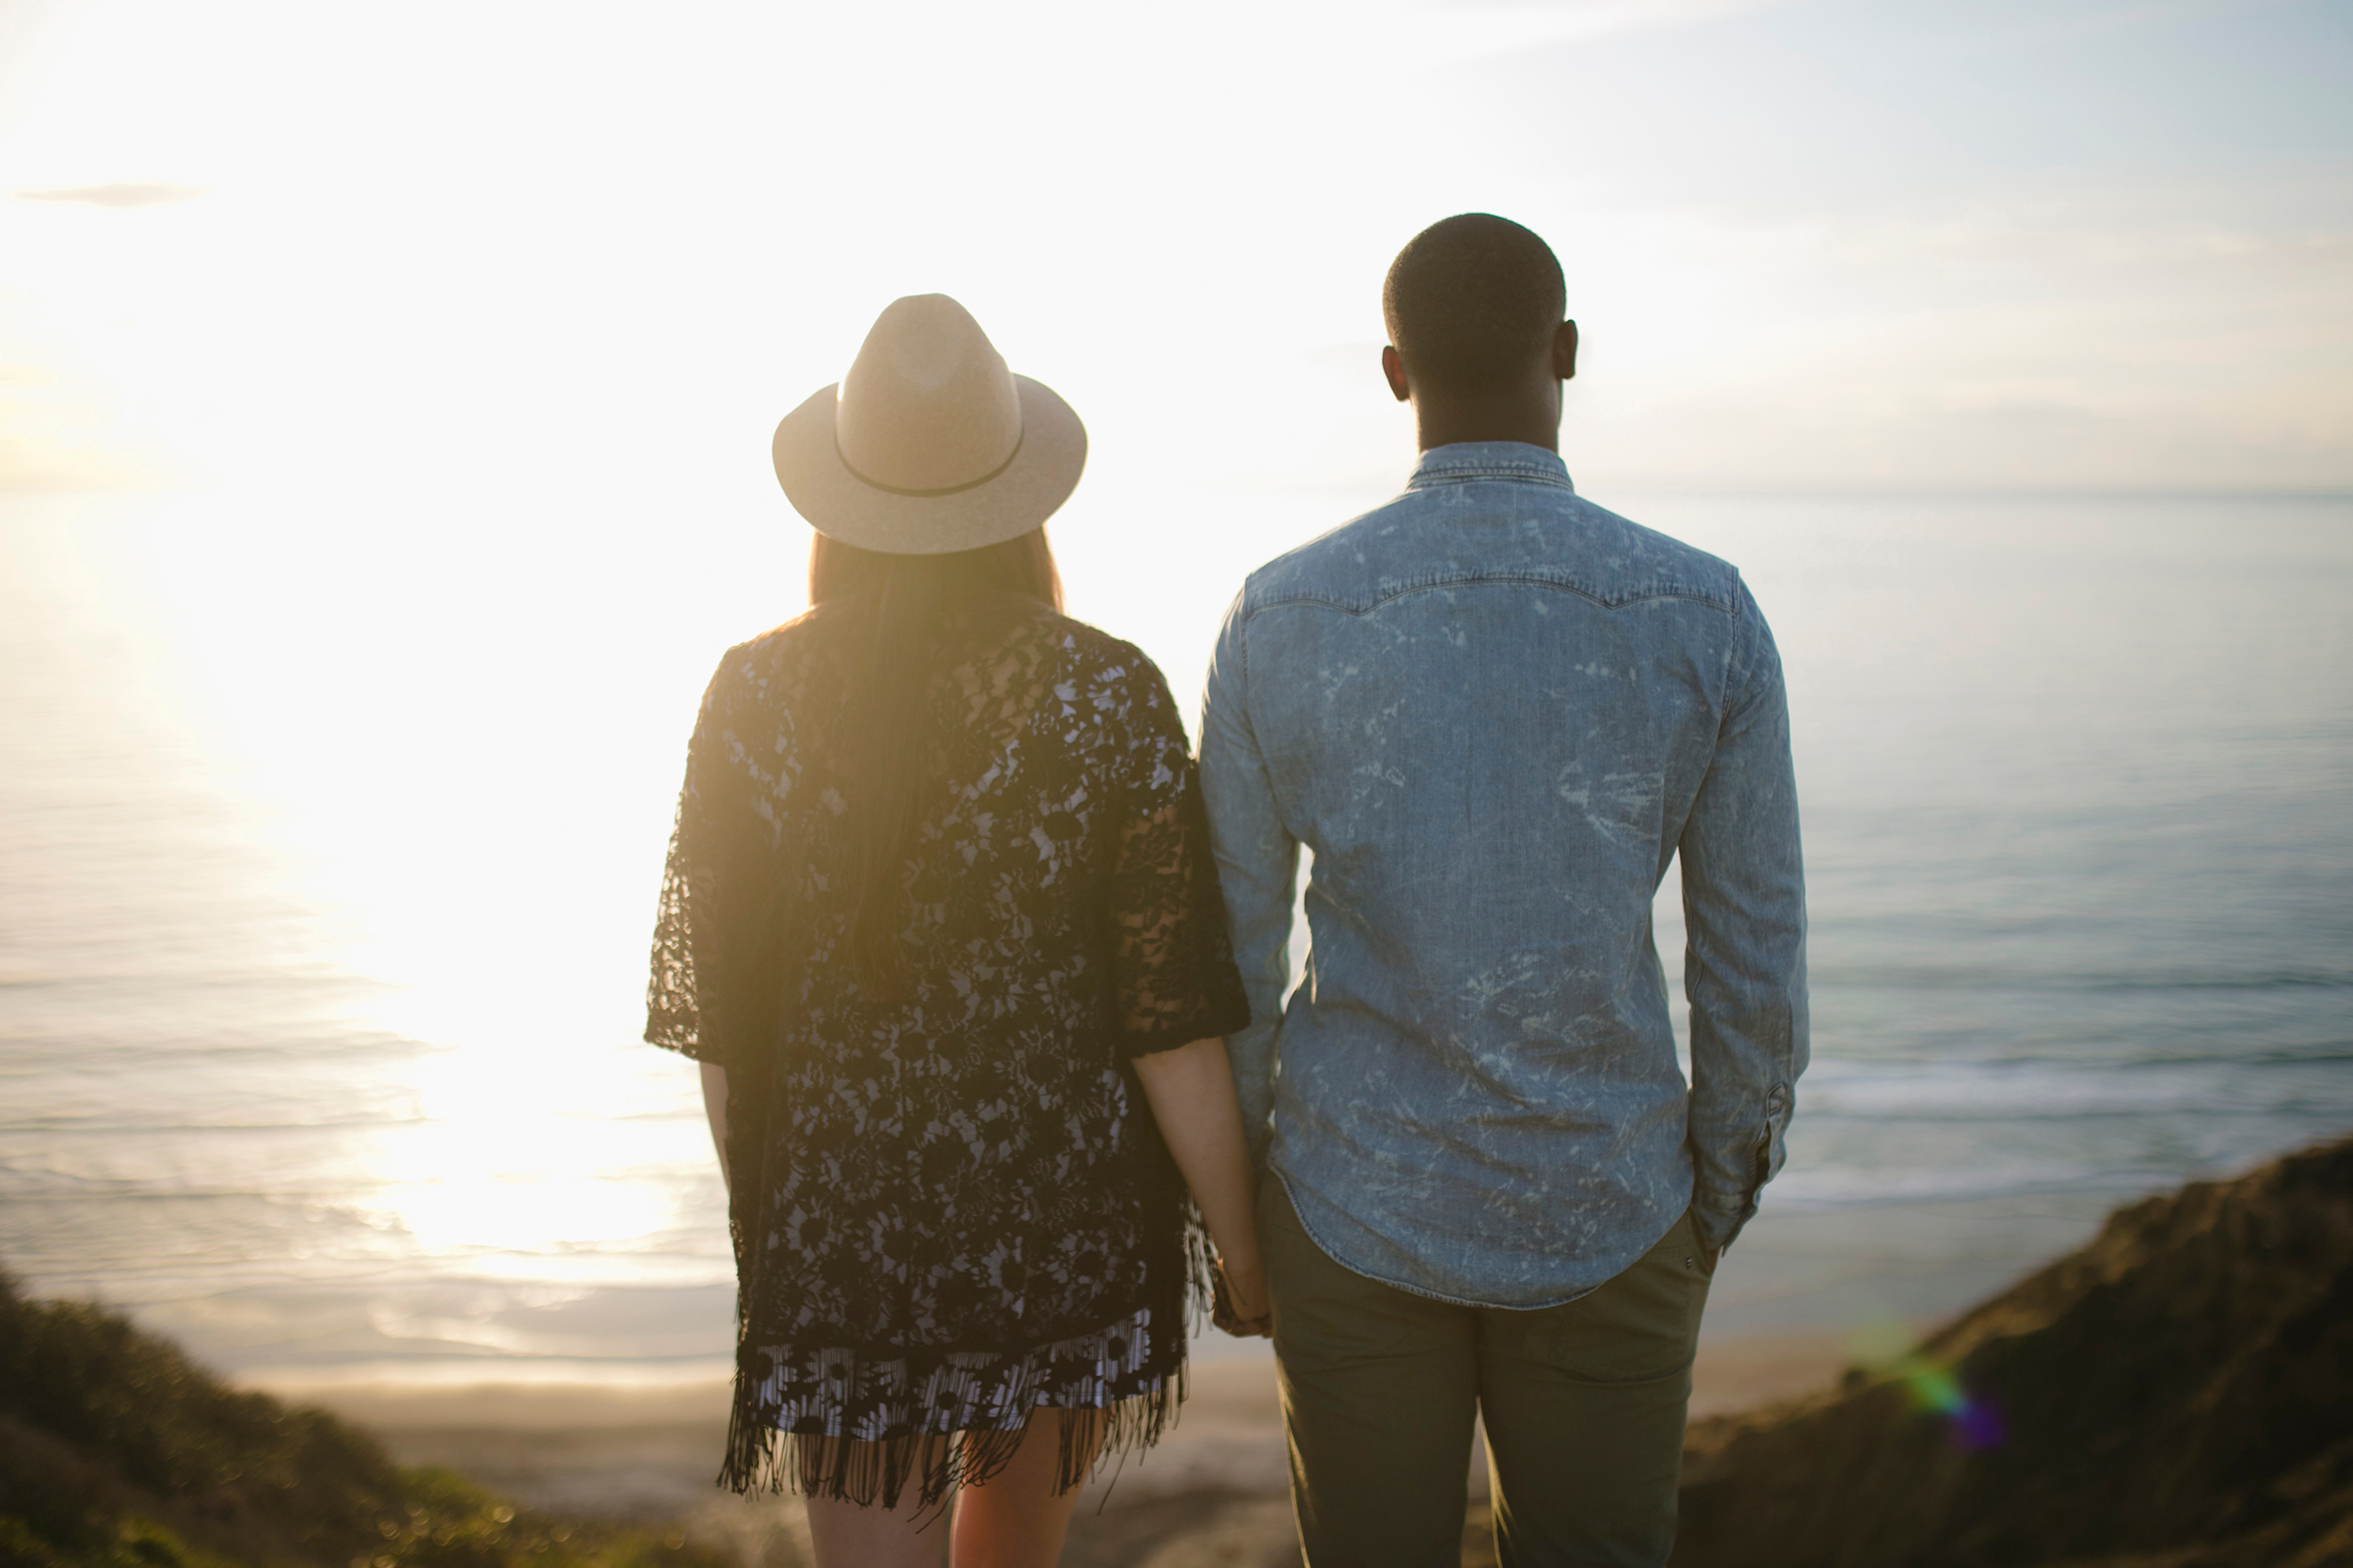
x=1423 y=1292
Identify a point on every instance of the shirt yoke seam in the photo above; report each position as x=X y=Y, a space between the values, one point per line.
x=1312 y=599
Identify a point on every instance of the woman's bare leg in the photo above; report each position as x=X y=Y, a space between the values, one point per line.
x=1016 y=1519
x=849 y=1536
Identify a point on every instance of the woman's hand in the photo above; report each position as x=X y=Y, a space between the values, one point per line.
x=1241 y=1306
x=1192 y=1093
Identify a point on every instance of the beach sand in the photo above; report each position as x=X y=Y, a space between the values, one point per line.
x=1213 y=1492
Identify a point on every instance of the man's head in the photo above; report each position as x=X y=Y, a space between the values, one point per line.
x=1474 y=306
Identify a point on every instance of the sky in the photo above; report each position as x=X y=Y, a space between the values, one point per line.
x=507 y=248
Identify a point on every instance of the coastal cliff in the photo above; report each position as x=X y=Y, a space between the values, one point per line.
x=2177 y=1394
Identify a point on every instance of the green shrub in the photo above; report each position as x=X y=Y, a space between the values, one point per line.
x=118 y=1451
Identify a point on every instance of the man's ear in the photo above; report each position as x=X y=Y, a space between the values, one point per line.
x=1564 y=351
x=1394 y=368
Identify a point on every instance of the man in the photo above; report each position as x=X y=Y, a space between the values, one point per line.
x=1494 y=712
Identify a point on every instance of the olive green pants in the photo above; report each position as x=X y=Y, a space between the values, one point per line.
x=1583 y=1405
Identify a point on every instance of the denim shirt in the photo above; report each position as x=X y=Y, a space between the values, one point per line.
x=1494 y=712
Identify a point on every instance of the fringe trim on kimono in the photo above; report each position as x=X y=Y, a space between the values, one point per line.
x=935 y=1423
x=931 y=1422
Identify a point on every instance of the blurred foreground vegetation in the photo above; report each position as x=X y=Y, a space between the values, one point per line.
x=117 y=1451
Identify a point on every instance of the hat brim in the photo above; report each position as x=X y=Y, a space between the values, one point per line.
x=1007 y=505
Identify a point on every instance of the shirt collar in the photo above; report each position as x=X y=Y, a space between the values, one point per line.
x=1460 y=460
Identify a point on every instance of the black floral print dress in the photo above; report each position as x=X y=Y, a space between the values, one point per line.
x=951 y=1206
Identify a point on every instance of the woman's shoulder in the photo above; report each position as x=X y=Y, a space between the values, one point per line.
x=1113 y=699
x=762 y=681
x=781 y=647
x=1108 y=663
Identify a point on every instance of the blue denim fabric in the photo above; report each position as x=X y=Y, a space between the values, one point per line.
x=1494 y=712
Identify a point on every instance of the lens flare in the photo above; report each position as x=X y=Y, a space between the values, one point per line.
x=1888 y=1347
x=1933 y=1386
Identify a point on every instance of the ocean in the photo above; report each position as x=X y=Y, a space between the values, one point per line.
x=330 y=827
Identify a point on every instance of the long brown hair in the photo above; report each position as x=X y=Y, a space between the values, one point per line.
x=885 y=612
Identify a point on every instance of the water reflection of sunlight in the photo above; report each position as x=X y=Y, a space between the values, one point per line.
x=512 y=1158
x=511 y=1186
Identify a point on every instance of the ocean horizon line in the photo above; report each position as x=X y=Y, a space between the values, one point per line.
x=11 y=489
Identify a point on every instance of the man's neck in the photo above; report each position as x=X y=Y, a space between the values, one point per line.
x=1445 y=421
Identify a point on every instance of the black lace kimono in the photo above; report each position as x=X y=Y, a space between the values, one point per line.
x=951 y=1207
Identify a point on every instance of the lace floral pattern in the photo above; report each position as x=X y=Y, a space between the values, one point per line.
x=951 y=1206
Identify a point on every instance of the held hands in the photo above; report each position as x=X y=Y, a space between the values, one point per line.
x=1191 y=1092
x=1239 y=1304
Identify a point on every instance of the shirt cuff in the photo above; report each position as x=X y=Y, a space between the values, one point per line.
x=1717 y=1219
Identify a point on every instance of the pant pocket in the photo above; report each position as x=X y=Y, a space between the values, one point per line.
x=1642 y=1325
x=1697 y=1259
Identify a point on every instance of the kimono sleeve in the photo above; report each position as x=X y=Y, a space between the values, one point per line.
x=689 y=966
x=1172 y=965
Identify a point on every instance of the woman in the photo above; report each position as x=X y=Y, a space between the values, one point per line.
x=939 y=906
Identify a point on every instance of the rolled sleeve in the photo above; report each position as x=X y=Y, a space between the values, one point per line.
x=1744 y=968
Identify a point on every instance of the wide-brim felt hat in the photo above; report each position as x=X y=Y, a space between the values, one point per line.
x=930 y=444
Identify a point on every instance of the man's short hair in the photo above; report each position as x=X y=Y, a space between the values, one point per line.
x=1471 y=301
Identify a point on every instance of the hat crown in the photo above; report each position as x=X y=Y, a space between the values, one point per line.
x=928 y=405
